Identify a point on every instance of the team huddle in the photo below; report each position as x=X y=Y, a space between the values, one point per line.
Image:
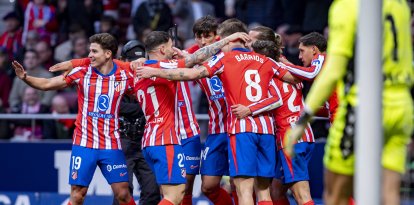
x=254 y=95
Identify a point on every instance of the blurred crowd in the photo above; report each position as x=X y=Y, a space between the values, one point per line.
x=40 y=33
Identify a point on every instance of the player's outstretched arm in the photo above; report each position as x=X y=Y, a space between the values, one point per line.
x=173 y=74
x=304 y=73
x=283 y=74
x=206 y=52
x=54 y=83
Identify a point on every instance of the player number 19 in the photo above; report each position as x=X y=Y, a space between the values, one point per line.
x=76 y=162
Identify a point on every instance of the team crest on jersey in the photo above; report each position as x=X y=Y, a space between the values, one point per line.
x=119 y=86
x=183 y=172
x=103 y=102
x=74 y=174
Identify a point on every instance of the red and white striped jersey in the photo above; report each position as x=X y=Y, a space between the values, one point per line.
x=287 y=114
x=186 y=124
x=157 y=97
x=309 y=74
x=99 y=97
x=217 y=105
x=246 y=78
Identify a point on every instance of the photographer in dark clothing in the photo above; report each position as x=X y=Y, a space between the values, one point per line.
x=132 y=124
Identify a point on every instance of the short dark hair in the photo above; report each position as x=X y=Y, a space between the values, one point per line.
x=106 y=41
x=265 y=33
x=267 y=48
x=231 y=26
x=314 y=39
x=205 y=25
x=156 y=38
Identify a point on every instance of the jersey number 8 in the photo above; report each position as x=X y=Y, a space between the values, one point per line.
x=253 y=85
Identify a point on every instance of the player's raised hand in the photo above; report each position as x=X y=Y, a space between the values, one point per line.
x=240 y=111
x=239 y=35
x=65 y=66
x=19 y=70
x=146 y=72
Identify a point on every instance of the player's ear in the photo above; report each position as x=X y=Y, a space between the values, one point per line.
x=162 y=49
x=314 y=50
x=108 y=53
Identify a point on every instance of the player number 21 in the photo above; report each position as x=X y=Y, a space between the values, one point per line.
x=253 y=84
x=151 y=92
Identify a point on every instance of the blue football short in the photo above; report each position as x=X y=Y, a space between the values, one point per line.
x=167 y=163
x=192 y=151
x=252 y=155
x=296 y=169
x=214 y=157
x=84 y=160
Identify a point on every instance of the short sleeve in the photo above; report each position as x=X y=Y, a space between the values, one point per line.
x=75 y=75
x=342 y=27
x=172 y=64
x=215 y=65
x=80 y=62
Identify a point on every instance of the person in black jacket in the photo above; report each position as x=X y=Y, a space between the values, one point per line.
x=132 y=123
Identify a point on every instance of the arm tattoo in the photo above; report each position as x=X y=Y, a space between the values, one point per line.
x=175 y=74
x=204 y=53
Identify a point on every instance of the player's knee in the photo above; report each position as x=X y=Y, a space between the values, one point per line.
x=175 y=195
x=208 y=188
x=78 y=195
x=123 y=195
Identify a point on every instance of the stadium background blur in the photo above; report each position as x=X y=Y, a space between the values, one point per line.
x=33 y=150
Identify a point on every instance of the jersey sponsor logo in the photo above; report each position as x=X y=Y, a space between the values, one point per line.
x=180 y=103
x=109 y=168
x=216 y=84
x=292 y=119
x=216 y=97
x=119 y=166
x=101 y=115
x=192 y=158
x=103 y=102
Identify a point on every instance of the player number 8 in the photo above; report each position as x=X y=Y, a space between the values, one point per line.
x=253 y=85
